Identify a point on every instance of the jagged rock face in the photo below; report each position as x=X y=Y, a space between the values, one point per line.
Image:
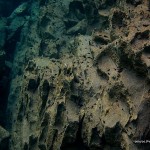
x=80 y=75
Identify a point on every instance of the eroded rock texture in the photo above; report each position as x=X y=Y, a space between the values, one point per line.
x=80 y=75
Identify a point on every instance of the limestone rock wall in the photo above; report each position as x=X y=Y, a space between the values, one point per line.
x=80 y=75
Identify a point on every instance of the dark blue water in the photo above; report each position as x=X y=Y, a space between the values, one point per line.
x=7 y=6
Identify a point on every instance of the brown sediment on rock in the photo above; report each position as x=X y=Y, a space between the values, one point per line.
x=80 y=75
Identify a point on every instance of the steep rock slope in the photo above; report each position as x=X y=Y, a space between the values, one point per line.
x=80 y=75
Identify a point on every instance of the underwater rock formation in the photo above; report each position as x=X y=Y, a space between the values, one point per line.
x=4 y=138
x=80 y=74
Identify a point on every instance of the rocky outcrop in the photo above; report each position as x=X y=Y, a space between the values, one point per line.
x=80 y=75
x=4 y=139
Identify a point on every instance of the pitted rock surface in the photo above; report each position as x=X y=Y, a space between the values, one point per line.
x=80 y=75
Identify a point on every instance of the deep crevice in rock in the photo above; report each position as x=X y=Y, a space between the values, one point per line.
x=78 y=143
